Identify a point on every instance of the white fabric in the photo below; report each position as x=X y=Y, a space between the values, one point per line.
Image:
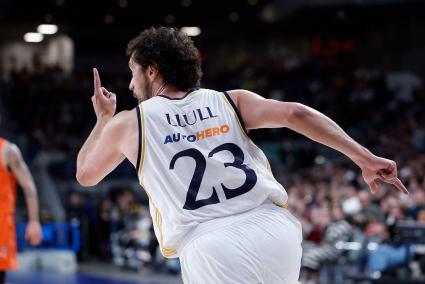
x=166 y=176
x=259 y=246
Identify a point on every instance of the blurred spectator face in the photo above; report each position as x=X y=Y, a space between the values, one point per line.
x=396 y=213
x=337 y=213
x=377 y=229
x=351 y=191
x=413 y=183
x=364 y=198
x=320 y=217
x=125 y=200
x=76 y=199
x=106 y=204
x=419 y=198
x=321 y=193
x=421 y=217
x=389 y=203
x=105 y=209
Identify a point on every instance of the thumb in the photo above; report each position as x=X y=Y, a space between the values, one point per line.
x=106 y=93
x=373 y=187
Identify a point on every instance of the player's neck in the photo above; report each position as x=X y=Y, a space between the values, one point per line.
x=169 y=91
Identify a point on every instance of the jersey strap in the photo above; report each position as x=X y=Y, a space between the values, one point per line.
x=139 y=148
x=235 y=109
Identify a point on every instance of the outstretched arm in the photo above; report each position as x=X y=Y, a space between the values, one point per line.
x=20 y=169
x=258 y=112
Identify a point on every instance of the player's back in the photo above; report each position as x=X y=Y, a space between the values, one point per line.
x=197 y=164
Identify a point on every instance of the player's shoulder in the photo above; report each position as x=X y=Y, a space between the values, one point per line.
x=122 y=117
x=123 y=121
x=240 y=92
x=237 y=94
x=204 y=92
x=213 y=94
x=12 y=147
x=11 y=152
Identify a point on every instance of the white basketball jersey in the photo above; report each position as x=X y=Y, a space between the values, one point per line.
x=196 y=163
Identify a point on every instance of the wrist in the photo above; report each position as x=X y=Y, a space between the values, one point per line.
x=102 y=121
x=363 y=157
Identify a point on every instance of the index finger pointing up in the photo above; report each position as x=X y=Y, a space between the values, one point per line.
x=97 y=88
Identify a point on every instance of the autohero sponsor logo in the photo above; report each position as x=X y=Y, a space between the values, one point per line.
x=200 y=135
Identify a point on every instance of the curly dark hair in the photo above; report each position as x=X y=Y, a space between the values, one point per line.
x=172 y=52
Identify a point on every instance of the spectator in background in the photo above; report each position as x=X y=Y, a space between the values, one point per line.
x=387 y=255
x=131 y=237
x=421 y=217
x=319 y=247
x=103 y=227
x=369 y=211
x=79 y=209
x=418 y=204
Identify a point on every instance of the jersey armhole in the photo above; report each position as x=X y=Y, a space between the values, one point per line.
x=235 y=109
x=139 y=148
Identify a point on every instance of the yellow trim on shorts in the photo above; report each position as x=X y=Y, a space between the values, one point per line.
x=235 y=114
x=285 y=205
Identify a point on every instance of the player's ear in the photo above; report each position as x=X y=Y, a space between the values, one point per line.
x=152 y=71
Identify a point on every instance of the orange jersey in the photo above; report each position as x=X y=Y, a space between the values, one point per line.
x=7 y=186
x=8 y=259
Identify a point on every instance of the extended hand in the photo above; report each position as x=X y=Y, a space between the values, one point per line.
x=33 y=233
x=104 y=102
x=383 y=169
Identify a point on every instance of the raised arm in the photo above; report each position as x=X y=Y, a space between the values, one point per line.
x=20 y=169
x=102 y=151
x=258 y=112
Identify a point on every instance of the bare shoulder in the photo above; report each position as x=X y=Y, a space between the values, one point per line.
x=12 y=151
x=123 y=121
x=241 y=96
x=122 y=131
x=12 y=155
x=122 y=116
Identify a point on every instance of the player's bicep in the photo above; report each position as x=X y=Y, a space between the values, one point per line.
x=258 y=112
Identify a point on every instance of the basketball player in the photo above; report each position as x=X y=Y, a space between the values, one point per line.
x=214 y=201
x=12 y=168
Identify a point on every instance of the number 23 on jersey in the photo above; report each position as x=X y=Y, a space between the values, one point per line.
x=191 y=203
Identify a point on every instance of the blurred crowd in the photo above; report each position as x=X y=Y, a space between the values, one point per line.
x=379 y=105
x=117 y=228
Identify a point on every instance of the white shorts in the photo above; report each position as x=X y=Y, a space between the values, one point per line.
x=259 y=246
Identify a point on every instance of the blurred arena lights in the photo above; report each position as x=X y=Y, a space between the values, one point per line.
x=122 y=3
x=33 y=37
x=191 y=31
x=47 y=29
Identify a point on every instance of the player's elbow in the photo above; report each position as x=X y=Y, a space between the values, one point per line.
x=297 y=113
x=84 y=178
